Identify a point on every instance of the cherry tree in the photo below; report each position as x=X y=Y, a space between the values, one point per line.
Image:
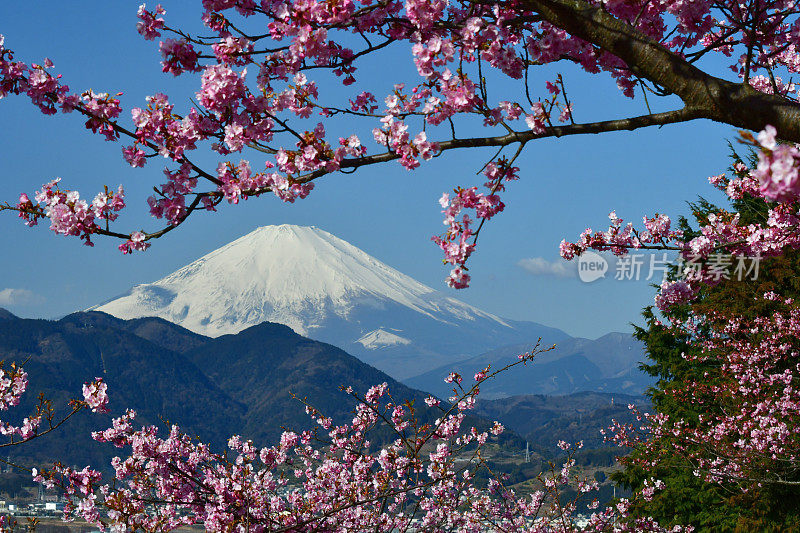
x=747 y=435
x=332 y=478
x=258 y=94
x=739 y=427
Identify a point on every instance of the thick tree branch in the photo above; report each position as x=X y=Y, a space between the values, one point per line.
x=514 y=137
x=714 y=98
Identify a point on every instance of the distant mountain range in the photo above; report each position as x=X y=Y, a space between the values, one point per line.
x=243 y=383
x=214 y=388
x=545 y=420
x=607 y=364
x=327 y=289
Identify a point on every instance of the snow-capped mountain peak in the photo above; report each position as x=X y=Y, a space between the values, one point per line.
x=295 y=275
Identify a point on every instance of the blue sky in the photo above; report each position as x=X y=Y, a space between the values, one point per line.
x=565 y=186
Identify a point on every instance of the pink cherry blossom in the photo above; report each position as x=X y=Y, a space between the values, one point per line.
x=149 y=22
x=95 y=396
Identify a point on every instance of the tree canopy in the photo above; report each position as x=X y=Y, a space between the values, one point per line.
x=258 y=95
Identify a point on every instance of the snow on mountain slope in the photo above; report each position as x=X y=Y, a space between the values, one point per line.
x=288 y=274
x=381 y=338
x=324 y=288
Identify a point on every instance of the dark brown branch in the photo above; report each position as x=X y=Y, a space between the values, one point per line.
x=513 y=137
x=632 y=123
x=710 y=97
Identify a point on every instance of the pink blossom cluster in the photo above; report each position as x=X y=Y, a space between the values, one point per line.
x=619 y=239
x=136 y=243
x=150 y=23
x=44 y=89
x=95 y=395
x=27 y=430
x=458 y=242
x=171 y=200
x=394 y=135
x=179 y=56
x=674 y=292
x=221 y=89
x=101 y=110
x=157 y=125
x=777 y=168
x=315 y=153
x=364 y=103
x=68 y=214
x=12 y=386
x=233 y=50
x=240 y=182
x=76 y=484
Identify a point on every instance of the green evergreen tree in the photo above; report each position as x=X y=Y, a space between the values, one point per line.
x=687 y=499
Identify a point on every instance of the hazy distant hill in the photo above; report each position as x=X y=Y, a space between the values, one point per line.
x=544 y=420
x=607 y=364
x=326 y=289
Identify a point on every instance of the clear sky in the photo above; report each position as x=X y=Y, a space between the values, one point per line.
x=565 y=186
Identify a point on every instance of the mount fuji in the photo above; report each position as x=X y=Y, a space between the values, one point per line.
x=326 y=289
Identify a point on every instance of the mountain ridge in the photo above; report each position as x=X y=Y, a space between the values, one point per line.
x=234 y=384
x=609 y=363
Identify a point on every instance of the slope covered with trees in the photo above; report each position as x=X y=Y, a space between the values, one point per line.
x=251 y=384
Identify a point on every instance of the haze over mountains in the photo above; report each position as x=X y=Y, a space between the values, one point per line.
x=607 y=364
x=327 y=289
x=544 y=420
